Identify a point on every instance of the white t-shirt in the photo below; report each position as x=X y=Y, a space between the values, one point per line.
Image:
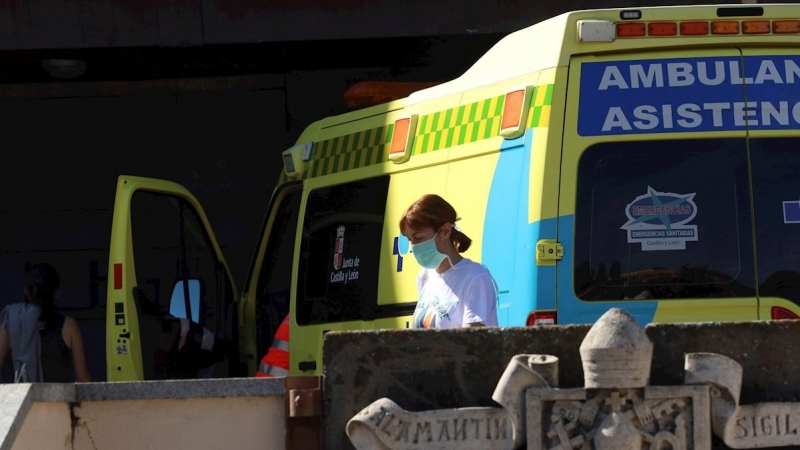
x=463 y=294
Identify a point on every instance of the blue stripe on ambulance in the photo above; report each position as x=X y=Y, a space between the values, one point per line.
x=508 y=251
x=509 y=241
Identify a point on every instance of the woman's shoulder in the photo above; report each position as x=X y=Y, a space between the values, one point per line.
x=474 y=268
x=12 y=307
x=477 y=274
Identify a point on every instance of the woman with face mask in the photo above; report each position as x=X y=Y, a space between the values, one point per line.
x=453 y=291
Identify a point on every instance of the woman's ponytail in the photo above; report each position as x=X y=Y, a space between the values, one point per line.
x=461 y=240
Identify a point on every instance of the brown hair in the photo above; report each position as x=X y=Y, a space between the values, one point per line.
x=42 y=282
x=432 y=211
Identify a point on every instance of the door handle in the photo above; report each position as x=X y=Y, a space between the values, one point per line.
x=307 y=365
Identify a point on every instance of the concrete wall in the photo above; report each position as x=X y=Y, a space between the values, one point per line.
x=431 y=369
x=194 y=415
x=249 y=422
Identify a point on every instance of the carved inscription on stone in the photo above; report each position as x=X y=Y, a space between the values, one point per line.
x=764 y=425
x=442 y=430
x=387 y=426
x=742 y=426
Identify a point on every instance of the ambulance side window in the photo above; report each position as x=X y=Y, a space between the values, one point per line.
x=170 y=245
x=662 y=220
x=275 y=276
x=340 y=252
x=776 y=195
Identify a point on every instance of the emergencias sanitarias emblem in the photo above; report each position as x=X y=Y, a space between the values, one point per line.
x=659 y=220
x=338 y=248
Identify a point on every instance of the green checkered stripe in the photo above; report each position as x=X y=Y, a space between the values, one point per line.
x=541 y=101
x=458 y=126
x=351 y=151
x=461 y=125
x=475 y=122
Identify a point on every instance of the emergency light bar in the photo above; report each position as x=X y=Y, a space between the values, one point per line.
x=609 y=31
x=596 y=31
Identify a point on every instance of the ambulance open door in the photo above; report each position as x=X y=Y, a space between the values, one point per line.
x=167 y=277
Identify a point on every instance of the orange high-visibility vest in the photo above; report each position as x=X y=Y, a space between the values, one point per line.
x=276 y=362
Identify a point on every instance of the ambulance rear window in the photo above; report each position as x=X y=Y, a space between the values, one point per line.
x=340 y=252
x=776 y=197
x=662 y=220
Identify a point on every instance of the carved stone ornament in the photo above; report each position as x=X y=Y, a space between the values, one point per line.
x=616 y=409
x=773 y=424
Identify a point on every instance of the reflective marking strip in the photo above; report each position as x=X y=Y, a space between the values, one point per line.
x=277 y=371
x=266 y=369
x=263 y=368
x=459 y=125
x=281 y=345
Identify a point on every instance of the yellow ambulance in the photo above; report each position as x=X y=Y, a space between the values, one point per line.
x=639 y=158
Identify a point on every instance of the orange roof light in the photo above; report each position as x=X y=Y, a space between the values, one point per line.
x=725 y=27
x=786 y=26
x=630 y=29
x=662 y=29
x=368 y=93
x=755 y=27
x=694 y=28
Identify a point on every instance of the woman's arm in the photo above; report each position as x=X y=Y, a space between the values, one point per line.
x=74 y=341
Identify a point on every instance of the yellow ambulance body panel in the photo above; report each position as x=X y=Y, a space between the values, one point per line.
x=606 y=158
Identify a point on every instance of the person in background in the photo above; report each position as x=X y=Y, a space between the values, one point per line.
x=453 y=291
x=46 y=346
